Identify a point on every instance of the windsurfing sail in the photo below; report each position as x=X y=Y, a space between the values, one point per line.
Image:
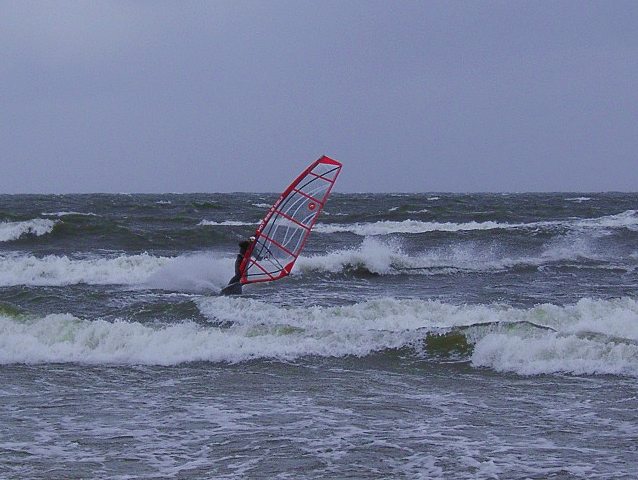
x=283 y=232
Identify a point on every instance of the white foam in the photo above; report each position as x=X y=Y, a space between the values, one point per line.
x=590 y=337
x=533 y=356
x=576 y=347
x=64 y=214
x=198 y=272
x=373 y=317
x=578 y=199
x=54 y=270
x=386 y=227
x=64 y=338
x=261 y=205
x=225 y=223
x=373 y=255
x=570 y=247
x=10 y=231
x=260 y=331
x=626 y=219
x=386 y=257
x=187 y=272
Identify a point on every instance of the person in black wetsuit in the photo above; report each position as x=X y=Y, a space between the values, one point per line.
x=234 y=285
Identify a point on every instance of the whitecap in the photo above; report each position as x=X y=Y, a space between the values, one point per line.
x=190 y=272
x=225 y=223
x=578 y=199
x=386 y=227
x=54 y=270
x=386 y=257
x=64 y=214
x=589 y=337
x=627 y=219
x=10 y=231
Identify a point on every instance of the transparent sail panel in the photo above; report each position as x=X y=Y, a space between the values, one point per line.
x=284 y=230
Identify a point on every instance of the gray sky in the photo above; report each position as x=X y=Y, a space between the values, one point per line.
x=184 y=96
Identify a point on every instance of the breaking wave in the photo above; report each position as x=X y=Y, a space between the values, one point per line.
x=196 y=272
x=388 y=258
x=627 y=219
x=386 y=227
x=589 y=337
x=53 y=270
x=10 y=231
x=202 y=271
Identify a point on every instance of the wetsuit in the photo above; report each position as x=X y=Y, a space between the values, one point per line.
x=234 y=285
x=237 y=277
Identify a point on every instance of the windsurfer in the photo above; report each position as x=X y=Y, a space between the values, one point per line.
x=234 y=285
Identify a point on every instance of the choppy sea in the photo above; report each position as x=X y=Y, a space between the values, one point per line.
x=419 y=336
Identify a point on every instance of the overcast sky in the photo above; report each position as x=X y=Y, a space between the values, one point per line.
x=412 y=96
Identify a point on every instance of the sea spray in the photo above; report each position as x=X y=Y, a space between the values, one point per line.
x=10 y=231
x=388 y=257
x=195 y=272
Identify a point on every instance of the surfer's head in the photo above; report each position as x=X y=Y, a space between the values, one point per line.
x=243 y=245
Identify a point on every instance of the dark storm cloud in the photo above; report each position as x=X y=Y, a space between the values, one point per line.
x=411 y=96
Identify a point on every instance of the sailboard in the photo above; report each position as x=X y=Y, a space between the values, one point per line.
x=284 y=230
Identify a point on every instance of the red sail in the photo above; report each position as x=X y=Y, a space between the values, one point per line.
x=283 y=232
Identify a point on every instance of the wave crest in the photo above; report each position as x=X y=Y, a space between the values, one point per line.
x=53 y=270
x=10 y=231
x=386 y=227
x=386 y=257
x=627 y=219
x=589 y=337
x=225 y=223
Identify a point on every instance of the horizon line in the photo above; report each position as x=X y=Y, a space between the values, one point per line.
x=394 y=192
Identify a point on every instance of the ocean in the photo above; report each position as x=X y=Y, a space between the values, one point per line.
x=452 y=336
